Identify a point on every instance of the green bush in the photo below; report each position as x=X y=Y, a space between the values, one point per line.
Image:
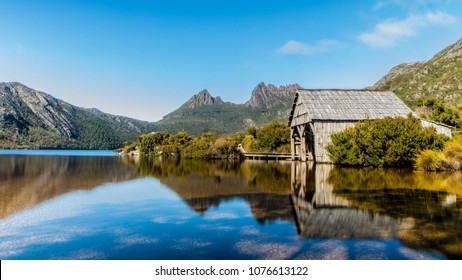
x=148 y=143
x=388 y=142
x=441 y=113
x=272 y=137
x=206 y=146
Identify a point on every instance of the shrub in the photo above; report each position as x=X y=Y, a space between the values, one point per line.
x=205 y=146
x=272 y=137
x=247 y=143
x=453 y=149
x=441 y=113
x=430 y=160
x=449 y=159
x=388 y=142
x=147 y=143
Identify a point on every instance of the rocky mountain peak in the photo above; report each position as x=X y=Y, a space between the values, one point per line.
x=34 y=119
x=201 y=99
x=454 y=50
x=439 y=77
x=267 y=96
x=25 y=107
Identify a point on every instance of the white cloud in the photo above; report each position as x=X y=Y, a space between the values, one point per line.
x=387 y=33
x=299 y=48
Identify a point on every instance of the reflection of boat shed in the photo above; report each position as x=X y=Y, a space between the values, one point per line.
x=316 y=114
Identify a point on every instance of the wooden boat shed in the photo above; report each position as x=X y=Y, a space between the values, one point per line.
x=316 y=114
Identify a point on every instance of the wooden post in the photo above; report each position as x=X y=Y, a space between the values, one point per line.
x=292 y=142
x=310 y=143
x=302 y=143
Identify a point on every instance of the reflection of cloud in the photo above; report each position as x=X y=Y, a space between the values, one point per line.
x=190 y=243
x=135 y=239
x=50 y=211
x=220 y=228
x=268 y=251
x=221 y=216
x=5 y=254
x=9 y=249
x=327 y=250
x=414 y=255
x=160 y=220
x=20 y=239
x=171 y=219
x=85 y=254
x=12 y=248
x=249 y=230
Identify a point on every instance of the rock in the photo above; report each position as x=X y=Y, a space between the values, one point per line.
x=268 y=96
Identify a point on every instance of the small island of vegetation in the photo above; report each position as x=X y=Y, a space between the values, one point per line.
x=274 y=137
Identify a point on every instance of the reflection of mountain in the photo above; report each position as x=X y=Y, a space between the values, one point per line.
x=264 y=186
x=323 y=201
x=26 y=181
x=264 y=207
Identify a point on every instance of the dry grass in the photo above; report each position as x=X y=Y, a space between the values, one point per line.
x=449 y=159
x=429 y=160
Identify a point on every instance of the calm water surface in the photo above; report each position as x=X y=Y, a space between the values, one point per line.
x=94 y=205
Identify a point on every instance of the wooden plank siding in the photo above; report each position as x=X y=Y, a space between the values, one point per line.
x=323 y=131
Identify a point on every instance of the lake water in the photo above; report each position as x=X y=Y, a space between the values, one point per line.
x=97 y=205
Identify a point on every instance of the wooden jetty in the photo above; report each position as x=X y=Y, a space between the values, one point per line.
x=268 y=156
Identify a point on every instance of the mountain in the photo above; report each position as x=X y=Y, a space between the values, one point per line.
x=270 y=96
x=34 y=119
x=439 y=77
x=205 y=113
x=203 y=98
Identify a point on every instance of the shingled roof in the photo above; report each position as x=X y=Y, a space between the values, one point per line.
x=348 y=105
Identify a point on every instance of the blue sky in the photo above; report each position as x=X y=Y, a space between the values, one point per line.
x=143 y=59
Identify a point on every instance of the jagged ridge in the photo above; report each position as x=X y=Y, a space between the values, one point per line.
x=203 y=98
x=268 y=96
x=204 y=113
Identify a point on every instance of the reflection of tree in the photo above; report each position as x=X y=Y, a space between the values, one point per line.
x=395 y=193
x=426 y=198
x=26 y=181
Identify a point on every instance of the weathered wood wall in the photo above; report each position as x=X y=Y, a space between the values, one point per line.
x=440 y=128
x=323 y=131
